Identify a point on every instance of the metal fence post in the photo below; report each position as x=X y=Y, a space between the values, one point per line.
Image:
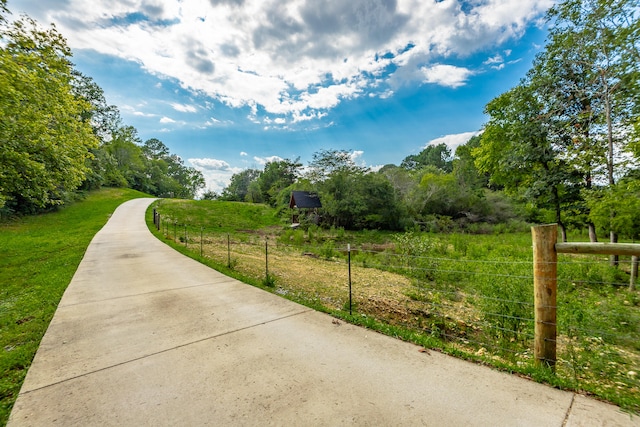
x=266 y=260
x=349 y=262
x=634 y=272
x=545 y=264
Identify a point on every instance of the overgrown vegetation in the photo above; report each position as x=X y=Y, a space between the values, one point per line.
x=38 y=256
x=467 y=295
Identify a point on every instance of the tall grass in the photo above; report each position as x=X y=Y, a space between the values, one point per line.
x=38 y=257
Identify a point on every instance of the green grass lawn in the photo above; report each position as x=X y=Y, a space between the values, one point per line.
x=38 y=256
x=223 y=217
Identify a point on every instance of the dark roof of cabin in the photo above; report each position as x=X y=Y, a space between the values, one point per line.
x=304 y=200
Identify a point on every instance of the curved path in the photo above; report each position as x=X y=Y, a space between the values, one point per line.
x=146 y=336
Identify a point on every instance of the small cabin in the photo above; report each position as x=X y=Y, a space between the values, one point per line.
x=305 y=204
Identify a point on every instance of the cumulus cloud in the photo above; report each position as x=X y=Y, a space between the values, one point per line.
x=166 y=119
x=355 y=155
x=264 y=160
x=210 y=164
x=446 y=75
x=454 y=140
x=293 y=60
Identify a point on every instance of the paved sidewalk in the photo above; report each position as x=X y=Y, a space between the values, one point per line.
x=146 y=336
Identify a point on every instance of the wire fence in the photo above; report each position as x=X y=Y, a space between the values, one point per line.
x=482 y=308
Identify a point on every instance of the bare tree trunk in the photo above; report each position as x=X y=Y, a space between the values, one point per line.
x=563 y=230
x=593 y=237
x=614 y=259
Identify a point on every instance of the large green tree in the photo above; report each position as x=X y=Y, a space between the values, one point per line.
x=517 y=152
x=568 y=124
x=438 y=156
x=238 y=188
x=592 y=68
x=352 y=196
x=167 y=174
x=464 y=167
x=44 y=143
x=276 y=176
x=363 y=200
x=104 y=118
x=324 y=163
x=624 y=200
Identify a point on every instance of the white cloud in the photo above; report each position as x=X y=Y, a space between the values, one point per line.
x=210 y=164
x=496 y=59
x=355 y=155
x=142 y=114
x=133 y=110
x=446 y=75
x=184 y=108
x=242 y=153
x=264 y=160
x=297 y=59
x=215 y=122
x=166 y=119
x=454 y=140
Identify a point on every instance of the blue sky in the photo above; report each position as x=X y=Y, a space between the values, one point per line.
x=231 y=84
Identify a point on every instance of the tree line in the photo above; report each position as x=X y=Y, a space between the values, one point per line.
x=562 y=146
x=432 y=190
x=566 y=137
x=58 y=135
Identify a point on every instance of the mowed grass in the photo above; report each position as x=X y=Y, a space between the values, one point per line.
x=218 y=216
x=38 y=257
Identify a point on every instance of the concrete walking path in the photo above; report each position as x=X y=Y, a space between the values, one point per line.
x=146 y=336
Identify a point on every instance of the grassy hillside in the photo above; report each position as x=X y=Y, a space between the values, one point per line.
x=223 y=217
x=38 y=257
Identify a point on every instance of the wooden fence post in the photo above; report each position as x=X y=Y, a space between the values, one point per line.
x=545 y=292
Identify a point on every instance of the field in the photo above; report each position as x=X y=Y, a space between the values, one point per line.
x=38 y=257
x=466 y=295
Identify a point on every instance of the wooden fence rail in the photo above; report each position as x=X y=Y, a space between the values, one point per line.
x=545 y=282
